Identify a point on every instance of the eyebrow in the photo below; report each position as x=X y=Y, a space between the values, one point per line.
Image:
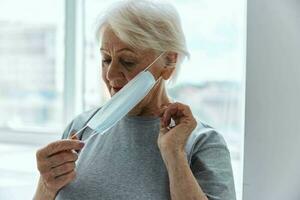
x=123 y=49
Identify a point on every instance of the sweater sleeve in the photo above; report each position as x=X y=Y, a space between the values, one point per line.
x=211 y=166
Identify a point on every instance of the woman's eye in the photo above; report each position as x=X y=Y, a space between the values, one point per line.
x=106 y=61
x=127 y=63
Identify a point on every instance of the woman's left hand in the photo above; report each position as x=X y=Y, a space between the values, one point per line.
x=172 y=140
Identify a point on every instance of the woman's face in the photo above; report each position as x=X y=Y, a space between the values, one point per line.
x=121 y=63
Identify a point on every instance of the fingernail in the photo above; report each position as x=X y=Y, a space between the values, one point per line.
x=81 y=143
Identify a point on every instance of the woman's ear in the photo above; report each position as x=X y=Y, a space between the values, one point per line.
x=170 y=64
x=171 y=58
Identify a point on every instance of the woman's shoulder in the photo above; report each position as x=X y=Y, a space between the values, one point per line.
x=203 y=137
x=79 y=121
x=209 y=135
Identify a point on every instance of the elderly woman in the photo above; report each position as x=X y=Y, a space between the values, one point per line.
x=140 y=157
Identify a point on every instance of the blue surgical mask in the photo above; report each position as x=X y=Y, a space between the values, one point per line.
x=123 y=101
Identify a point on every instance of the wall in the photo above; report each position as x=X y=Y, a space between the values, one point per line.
x=272 y=126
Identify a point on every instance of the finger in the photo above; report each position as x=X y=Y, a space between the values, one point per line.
x=169 y=112
x=61 y=158
x=64 y=179
x=42 y=159
x=63 y=169
x=74 y=136
x=163 y=129
x=186 y=116
x=161 y=111
x=63 y=145
x=178 y=112
x=162 y=108
x=165 y=104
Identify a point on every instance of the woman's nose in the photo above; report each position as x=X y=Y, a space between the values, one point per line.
x=113 y=72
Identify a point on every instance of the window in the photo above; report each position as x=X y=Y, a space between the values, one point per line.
x=31 y=63
x=31 y=87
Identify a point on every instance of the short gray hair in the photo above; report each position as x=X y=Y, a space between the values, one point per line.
x=146 y=24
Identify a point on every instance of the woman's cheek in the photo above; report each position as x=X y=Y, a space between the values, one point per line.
x=103 y=76
x=104 y=71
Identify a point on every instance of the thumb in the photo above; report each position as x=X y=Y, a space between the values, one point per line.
x=162 y=129
x=73 y=136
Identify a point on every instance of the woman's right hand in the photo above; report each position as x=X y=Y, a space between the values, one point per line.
x=56 y=164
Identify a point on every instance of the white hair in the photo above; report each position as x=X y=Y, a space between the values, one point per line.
x=146 y=24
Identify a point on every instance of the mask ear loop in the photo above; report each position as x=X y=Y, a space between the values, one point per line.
x=152 y=64
x=154 y=61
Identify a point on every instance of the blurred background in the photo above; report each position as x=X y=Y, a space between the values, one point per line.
x=49 y=73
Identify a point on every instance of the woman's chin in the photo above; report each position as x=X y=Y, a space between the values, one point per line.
x=114 y=91
x=112 y=94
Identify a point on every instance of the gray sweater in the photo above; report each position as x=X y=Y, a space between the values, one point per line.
x=125 y=163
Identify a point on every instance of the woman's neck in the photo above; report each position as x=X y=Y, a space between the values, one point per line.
x=152 y=103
